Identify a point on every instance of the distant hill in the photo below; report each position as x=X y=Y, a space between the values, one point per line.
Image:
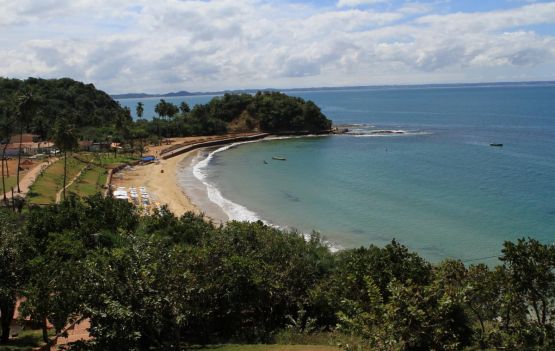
x=358 y=87
x=187 y=93
x=81 y=104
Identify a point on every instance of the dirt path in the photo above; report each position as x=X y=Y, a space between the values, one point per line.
x=59 y=193
x=29 y=178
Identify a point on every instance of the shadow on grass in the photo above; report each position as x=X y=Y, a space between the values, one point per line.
x=21 y=343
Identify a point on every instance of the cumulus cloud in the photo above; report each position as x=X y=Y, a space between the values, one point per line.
x=140 y=45
x=355 y=3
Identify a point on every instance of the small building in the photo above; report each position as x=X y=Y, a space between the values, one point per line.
x=25 y=138
x=30 y=148
x=85 y=145
x=100 y=146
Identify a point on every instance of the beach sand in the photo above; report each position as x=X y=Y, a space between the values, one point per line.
x=163 y=187
x=161 y=179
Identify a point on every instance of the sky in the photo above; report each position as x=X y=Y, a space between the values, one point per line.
x=170 y=45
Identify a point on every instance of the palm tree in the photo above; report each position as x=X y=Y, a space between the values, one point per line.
x=65 y=140
x=184 y=108
x=161 y=108
x=26 y=107
x=140 y=110
x=6 y=129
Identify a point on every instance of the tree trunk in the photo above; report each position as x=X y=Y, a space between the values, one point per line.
x=65 y=174
x=3 y=177
x=177 y=337
x=7 y=311
x=13 y=202
x=19 y=158
x=45 y=331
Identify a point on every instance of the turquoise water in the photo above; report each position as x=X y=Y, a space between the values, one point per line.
x=439 y=188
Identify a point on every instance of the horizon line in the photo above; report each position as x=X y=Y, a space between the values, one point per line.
x=342 y=87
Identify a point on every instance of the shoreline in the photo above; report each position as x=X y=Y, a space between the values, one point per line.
x=161 y=178
x=161 y=182
x=164 y=180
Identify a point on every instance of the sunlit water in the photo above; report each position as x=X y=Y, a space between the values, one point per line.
x=439 y=188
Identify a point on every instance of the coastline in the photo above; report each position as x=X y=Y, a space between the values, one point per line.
x=163 y=186
x=161 y=179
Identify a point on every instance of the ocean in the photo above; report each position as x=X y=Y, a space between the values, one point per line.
x=416 y=166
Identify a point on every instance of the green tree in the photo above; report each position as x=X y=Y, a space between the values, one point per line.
x=165 y=109
x=53 y=292
x=529 y=292
x=141 y=134
x=184 y=107
x=483 y=292
x=140 y=109
x=425 y=318
x=14 y=252
x=26 y=108
x=65 y=139
x=6 y=130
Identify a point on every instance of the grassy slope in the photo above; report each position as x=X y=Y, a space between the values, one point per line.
x=26 y=340
x=90 y=182
x=109 y=161
x=50 y=182
x=10 y=182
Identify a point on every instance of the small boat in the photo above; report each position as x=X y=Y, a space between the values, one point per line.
x=265 y=162
x=279 y=158
x=497 y=145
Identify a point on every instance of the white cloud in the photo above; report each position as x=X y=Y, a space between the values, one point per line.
x=207 y=45
x=355 y=3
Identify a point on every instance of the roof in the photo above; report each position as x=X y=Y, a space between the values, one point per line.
x=42 y=144
x=26 y=137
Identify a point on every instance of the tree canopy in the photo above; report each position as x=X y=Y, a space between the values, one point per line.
x=163 y=282
x=82 y=104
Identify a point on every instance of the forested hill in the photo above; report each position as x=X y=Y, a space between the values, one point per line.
x=33 y=105
x=81 y=104
x=272 y=112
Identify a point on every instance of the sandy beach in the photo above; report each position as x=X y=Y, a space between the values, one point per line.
x=160 y=181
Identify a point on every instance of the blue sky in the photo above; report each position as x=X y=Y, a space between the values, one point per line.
x=168 y=45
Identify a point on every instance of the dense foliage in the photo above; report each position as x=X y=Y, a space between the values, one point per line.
x=34 y=105
x=265 y=111
x=81 y=104
x=161 y=282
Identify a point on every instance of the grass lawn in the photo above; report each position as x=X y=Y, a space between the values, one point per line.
x=109 y=161
x=46 y=186
x=264 y=347
x=89 y=182
x=26 y=340
x=10 y=182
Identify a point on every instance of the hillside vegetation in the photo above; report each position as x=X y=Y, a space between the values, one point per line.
x=158 y=282
x=81 y=104
x=35 y=105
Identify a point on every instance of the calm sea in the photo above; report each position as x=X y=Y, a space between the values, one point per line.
x=439 y=187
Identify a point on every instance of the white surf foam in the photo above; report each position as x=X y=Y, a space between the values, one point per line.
x=232 y=210
x=235 y=211
x=384 y=133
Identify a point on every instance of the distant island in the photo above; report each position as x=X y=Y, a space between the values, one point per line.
x=362 y=87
